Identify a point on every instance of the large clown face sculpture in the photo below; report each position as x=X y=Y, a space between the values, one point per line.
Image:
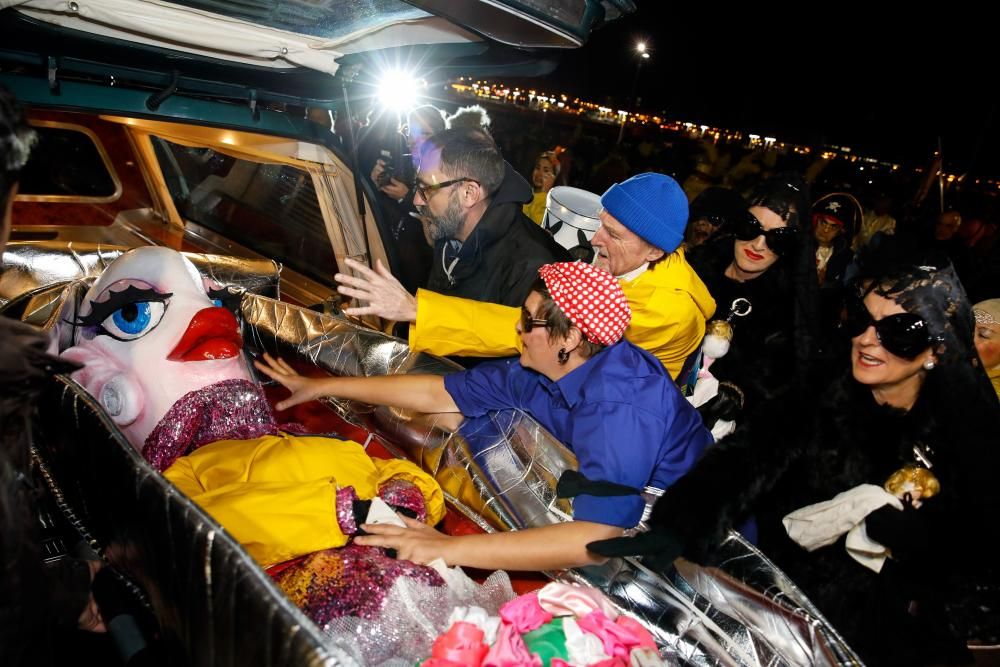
x=148 y=333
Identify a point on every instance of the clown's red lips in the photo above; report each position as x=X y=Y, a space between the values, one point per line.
x=212 y=334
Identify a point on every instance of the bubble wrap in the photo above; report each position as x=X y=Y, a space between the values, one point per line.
x=412 y=616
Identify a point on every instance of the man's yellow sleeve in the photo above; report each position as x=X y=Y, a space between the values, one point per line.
x=450 y=325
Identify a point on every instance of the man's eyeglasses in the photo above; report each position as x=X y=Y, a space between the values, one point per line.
x=780 y=240
x=904 y=334
x=427 y=191
x=529 y=322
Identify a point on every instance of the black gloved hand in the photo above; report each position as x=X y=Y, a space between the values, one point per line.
x=904 y=533
x=659 y=549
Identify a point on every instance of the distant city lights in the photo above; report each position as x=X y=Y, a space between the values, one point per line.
x=533 y=100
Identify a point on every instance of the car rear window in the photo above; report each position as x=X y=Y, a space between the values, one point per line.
x=270 y=208
x=67 y=165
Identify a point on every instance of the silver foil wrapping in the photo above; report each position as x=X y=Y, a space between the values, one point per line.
x=500 y=471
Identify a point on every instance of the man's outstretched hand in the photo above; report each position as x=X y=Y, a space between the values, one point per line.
x=383 y=295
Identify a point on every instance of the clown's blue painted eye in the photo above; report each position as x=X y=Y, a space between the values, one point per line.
x=134 y=320
x=126 y=315
x=217 y=303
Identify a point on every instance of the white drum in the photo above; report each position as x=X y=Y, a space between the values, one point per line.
x=571 y=216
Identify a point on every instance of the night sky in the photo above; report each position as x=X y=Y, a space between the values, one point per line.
x=888 y=86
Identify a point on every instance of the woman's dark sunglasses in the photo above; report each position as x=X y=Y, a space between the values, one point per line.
x=528 y=322
x=780 y=240
x=904 y=334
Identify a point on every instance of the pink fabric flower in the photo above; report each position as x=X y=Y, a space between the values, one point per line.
x=561 y=599
x=462 y=644
x=510 y=651
x=524 y=613
x=618 y=640
x=643 y=638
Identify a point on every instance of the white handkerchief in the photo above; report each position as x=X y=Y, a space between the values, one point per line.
x=380 y=513
x=864 y=549
x=818 y=525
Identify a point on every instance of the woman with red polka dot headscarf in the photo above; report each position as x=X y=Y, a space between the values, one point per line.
x=609 y=401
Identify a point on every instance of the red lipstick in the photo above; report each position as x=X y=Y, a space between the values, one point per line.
x=213 y=333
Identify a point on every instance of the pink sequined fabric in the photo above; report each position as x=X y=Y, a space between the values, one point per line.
x=350 y=581
x=400 y=493
x=228 y=410
x=345 y=510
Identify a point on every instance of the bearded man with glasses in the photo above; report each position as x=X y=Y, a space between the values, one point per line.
x=470 y=201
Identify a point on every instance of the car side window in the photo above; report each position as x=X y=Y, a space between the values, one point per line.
x=67 y=165
x=270 y=208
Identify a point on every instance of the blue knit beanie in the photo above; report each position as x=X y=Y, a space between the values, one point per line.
x=652 y=206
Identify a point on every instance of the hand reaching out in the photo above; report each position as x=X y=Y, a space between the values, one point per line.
x=385 y=296
x=417 y=542
x=303 y=389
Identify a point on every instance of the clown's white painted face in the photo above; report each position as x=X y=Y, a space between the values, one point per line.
x=148 y=333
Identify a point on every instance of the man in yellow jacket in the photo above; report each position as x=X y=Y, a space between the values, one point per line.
x=642 y=225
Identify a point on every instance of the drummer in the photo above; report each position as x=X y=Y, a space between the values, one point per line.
x=642 y=226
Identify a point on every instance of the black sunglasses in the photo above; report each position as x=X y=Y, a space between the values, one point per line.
x=904 y=334
x=426 y=191
x=529 y=322
x=780 y=240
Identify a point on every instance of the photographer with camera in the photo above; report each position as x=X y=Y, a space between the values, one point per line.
x=393 y=174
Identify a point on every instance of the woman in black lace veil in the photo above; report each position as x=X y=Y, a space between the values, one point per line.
x=924 y=409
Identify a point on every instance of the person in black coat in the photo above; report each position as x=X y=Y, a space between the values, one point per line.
x=914 y=405
x=41 y=604
x=835 y=220
x=762 y=277
x=485 y=247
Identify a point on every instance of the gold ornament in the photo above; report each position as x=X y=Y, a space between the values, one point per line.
x=720 y=328
x=918 y=481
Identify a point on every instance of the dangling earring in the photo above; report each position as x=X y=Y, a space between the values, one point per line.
x=563 y=355
x=929 y=364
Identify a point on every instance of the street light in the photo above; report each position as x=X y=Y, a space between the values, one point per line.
x=643 y=52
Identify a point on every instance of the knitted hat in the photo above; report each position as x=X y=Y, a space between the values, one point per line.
x=591 y=298
x=652 y=206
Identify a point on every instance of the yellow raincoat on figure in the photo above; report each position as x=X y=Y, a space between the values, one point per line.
x=277 y=494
